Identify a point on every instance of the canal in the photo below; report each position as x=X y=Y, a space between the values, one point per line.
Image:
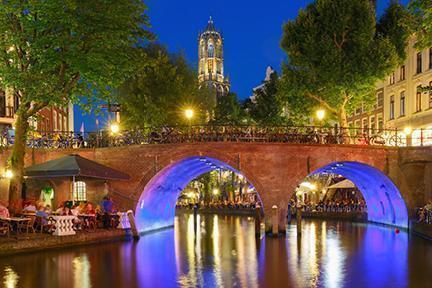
x=223 y=252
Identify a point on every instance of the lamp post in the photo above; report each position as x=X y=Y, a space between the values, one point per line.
x=189 y=114
x=408 y=131
x=320 y=114
x=114 y=130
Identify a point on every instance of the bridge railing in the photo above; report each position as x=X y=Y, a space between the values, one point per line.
x=213 y=133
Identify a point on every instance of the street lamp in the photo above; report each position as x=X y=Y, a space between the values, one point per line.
x=115 y=128
x=8 y=174
x=215 y=192
x=189 y=113
x=320 y=114
x=408 y=130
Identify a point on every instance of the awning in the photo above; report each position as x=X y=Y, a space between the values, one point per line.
x=74 y=165
x=342 y=184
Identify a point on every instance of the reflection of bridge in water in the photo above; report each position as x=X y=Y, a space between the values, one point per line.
x=390 y=179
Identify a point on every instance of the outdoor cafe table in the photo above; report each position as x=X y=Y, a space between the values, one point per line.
x=13 y=221
x=87 y=218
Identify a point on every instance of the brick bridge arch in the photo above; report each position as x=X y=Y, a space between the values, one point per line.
x=275 y=169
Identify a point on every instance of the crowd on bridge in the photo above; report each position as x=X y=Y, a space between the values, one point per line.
x=202 y=133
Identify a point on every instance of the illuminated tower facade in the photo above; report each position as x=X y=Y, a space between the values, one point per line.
x=211 y=61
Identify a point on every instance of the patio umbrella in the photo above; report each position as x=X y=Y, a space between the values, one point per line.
x=72 y=166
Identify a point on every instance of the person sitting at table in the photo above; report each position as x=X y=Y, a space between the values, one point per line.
x=4 y=211
x=43 y=214
x=82 y=207
x=60 y=210
x=66 y=211
x=48 y=209
x=89 y=209
x=29 y=208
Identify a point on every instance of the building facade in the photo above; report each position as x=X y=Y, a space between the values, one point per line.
x=211 y=60
x=406 y=105
x=47 y=120
x=401 y=103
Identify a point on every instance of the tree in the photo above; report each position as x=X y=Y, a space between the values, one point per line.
x=336 y=55
x=52 y=52
x=228 y=110
x=267 y=108
x=158 y=93
x=421 y=22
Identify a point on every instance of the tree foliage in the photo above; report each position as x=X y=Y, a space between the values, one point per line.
x=267 y=107
x=52 y=52
x=159 y=92
x=336 y=55
x=421 y=22
x=228 y=110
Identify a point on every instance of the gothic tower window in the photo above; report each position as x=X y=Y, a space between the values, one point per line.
x=211 y=50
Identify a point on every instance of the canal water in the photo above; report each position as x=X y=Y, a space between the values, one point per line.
x=223 y=252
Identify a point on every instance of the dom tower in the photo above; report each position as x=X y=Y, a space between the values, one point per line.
x=211 y=65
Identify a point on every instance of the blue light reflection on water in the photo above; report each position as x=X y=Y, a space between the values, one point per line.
x=224 y=253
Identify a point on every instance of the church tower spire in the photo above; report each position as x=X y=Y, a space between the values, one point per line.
x=211 y=61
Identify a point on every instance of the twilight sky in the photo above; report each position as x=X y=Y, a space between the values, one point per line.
x=252 y=30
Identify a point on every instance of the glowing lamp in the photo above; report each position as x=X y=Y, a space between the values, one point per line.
x=308 y=185
x=8 y=174
x=215 y=191
x=320 y=114
x=407 y=130
x=115 y=128
x=189 y=113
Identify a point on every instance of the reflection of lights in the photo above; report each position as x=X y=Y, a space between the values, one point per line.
x=203 y=159
x=10 y=279
x=308 y=185
x=81 y=271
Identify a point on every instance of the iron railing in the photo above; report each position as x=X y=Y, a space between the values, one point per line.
x=211 y=133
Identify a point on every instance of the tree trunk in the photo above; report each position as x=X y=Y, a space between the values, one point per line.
x=17 y=162
x=343 y=122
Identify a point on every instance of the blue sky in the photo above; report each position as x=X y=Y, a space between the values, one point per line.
x=252 y=31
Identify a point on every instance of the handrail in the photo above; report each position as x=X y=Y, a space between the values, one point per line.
x=225 y=133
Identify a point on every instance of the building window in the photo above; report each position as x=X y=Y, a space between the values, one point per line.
x=430 y=58
x=392 y=78
x=419 y=63
x=402 y=103
x=55 y=122
x=380 y=124
x=211 y=50
x=65 y=128
x=391 y=110
x=372 y=124
x=380 y=99
x=418 y=99
x=365 y=125
x=430 y=95
x=402 y=73
x=80 y=191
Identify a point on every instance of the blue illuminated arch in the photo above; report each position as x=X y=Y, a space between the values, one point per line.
x=384 y=202
x=156 y=207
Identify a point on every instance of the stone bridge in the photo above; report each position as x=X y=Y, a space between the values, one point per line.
x=393 y=180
